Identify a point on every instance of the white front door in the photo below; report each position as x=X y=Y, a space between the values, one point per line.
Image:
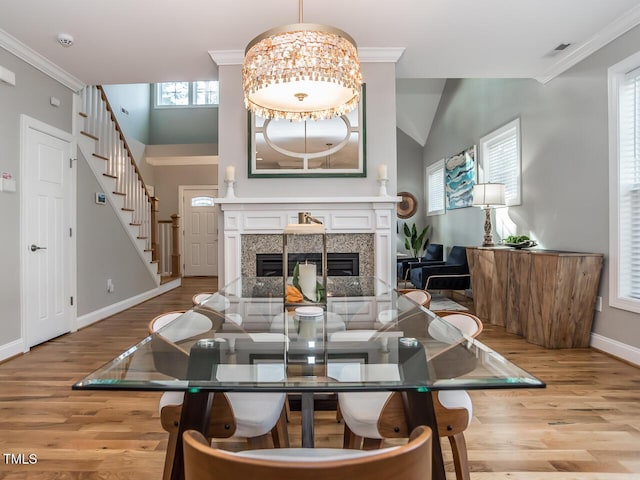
x=46 y=212
x=200 y=232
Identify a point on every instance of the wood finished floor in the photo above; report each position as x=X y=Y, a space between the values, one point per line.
x=584 y=426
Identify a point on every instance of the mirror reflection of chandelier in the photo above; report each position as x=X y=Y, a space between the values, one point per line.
x=301 y=71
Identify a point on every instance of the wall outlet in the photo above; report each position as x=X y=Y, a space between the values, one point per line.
x=110 y=287
x=598 y=306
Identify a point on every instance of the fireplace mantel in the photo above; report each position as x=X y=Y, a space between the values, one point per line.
x=258 y=215
x=298 y=200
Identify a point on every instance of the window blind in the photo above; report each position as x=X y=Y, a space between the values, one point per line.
x=435 y=188
x=629 y=186
x=501 y=160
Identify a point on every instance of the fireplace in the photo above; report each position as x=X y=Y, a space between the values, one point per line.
x=338 y=264
x=365 y=226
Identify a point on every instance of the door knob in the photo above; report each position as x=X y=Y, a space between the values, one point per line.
x=35 y=247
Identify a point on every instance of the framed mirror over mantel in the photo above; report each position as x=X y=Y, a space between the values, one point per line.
x=312 y=148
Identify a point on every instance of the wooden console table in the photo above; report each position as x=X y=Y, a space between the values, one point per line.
x=546 y=296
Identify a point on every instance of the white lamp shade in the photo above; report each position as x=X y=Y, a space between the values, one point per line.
x=487 y=194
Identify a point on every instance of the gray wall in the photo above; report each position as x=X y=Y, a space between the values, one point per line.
x=135 y=99
x=564 y=161
x=381 y=141
x=411 y=179
x=104 y=250
x=30 y=96
x=183 y=125
x=167 y=180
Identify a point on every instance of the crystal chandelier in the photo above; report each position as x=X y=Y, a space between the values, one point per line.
x=301 y=71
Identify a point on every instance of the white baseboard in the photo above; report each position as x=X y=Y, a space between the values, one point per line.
x=12 y=349
x=616 y=348
x=97 y=315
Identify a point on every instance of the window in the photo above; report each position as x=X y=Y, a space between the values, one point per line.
x=624 y=177
x=500 y=157
x=202 y=202
x=186 y=94
x=435 y=188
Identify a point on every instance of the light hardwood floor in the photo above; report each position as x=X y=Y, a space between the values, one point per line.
x=585 y=425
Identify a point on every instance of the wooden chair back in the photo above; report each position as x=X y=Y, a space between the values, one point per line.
x=199 y=297
x=392 y=422
x=421 y=297
x=464 y=321
x=411 y=461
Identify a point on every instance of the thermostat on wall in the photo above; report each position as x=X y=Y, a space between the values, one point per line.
x=101 y=198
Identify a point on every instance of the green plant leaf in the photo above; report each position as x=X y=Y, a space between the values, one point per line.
x=407 y=231
x=296 y=274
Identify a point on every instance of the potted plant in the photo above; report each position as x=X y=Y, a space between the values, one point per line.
x=415 y=242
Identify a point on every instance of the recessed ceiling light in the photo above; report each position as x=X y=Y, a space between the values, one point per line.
x=65 y=39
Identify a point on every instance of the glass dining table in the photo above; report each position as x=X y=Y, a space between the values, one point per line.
x=361 y=335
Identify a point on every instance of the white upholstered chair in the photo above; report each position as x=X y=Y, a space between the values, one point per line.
x=369 y=417
x=253 y=416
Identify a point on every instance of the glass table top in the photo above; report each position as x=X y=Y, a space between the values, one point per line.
x=363 y=336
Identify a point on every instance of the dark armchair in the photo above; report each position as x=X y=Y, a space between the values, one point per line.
x=450 y=275
x=432 y=256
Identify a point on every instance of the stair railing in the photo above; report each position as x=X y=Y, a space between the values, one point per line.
x=111 y=146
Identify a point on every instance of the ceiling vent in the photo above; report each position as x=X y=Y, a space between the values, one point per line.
x=557 y=50
x=561 y=47
x=65 y=39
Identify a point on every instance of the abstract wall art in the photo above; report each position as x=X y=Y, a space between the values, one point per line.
x=460 y=177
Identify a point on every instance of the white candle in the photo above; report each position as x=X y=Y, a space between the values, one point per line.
x=230 y=173
x=382 y=172
x=307 y=280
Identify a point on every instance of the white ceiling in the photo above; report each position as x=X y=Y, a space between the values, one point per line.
x=138 y=41
x=145 y=41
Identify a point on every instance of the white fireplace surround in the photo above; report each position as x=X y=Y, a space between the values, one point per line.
x=376 y=215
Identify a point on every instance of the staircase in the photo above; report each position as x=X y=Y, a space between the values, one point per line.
x=104 y=146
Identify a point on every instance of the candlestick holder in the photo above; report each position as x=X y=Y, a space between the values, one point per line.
x=230 y=192
x=383 y=187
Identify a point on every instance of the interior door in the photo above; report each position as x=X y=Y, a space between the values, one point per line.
x=200 y=232
x=46 y=213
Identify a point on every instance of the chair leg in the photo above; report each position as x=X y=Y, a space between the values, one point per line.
x=372 y=443
x=259 y=442
x=460 y=460
x=280 y=432
x=170 y=420
x=287 y=408
x=350 y=439
x=170 y=454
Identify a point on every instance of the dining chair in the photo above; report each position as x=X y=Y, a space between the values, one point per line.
x=370 y=417
x=253 y=416
x=421 y=297
x=411 y=461
x=198 y=298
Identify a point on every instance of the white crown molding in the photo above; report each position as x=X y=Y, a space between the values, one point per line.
x=182 y=160
x=379 y=55
x=621 y=25
x=365 y=54
x=227 y=57
x=33 y=58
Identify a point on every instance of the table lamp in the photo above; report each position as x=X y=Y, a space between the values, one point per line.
x=487 y=195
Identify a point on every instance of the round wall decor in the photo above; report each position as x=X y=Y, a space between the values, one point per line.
x=408 y=206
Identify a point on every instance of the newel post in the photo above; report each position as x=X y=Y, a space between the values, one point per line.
x=155 y=202
x=175 y=254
